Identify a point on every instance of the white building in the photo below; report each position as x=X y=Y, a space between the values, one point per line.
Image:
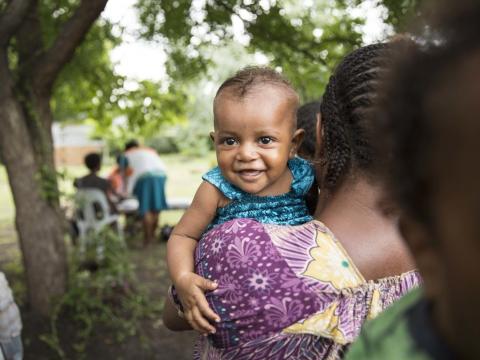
x=73 y=142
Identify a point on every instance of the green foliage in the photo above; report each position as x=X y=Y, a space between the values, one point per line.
x=102 y=293
x=402 y=12
x=194 y=141
x=144 y=111
x=163 y=144
x=88 y=86
x=48 y=179
x=305 y=40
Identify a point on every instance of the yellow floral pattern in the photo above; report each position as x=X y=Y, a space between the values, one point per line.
x=351 y=299
x=330 y=263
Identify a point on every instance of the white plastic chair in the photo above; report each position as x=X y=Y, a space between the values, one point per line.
x=93 y=214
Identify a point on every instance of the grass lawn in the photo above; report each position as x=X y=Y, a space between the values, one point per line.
x=7 y=209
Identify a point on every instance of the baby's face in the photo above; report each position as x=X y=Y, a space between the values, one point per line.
x=254 y=139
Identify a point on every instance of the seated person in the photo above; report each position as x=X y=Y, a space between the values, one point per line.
x=93 y=162
x=118 y=176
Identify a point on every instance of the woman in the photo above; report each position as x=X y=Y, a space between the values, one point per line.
x=304 y=291
x=440 y=207
x=146 y=180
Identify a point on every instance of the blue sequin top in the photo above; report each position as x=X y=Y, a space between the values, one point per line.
x=285 y=209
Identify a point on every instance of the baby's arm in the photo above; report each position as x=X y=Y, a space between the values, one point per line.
x=180 y=257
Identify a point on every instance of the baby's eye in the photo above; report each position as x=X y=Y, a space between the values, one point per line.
x=229 y=141
x=265 y=140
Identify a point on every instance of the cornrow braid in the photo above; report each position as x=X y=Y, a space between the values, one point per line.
x=337 y=147
x=347 y=102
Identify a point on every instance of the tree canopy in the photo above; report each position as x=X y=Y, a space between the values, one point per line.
x=207 y=40
x=305 y=41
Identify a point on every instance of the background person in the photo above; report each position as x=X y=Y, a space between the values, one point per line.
x=147 y=183
x=307 y=116
x=118 y=175
x=430 y=117
x=11 y=347
x=93 y=162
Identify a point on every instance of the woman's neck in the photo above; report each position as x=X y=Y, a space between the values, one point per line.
x=357 y=200
x=368 y=233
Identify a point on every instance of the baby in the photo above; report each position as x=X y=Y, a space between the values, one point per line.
x=258 y=176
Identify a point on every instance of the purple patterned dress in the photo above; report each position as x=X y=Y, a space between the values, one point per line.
x=286 y=292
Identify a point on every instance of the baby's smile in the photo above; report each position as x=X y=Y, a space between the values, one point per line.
x=249 y=174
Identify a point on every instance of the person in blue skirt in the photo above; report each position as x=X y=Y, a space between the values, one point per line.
x=147 y=183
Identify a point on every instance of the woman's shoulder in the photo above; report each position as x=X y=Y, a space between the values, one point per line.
x=380 y=257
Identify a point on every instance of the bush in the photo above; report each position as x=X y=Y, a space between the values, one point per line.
x=163 y=144
x=194 y=142
x=102 y=293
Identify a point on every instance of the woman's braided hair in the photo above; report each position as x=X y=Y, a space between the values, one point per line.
x=345 y=108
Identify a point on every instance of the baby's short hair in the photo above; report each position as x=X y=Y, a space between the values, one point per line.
x=249 y=78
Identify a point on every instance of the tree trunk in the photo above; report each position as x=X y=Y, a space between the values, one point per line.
x=26 y=145
x=37 y=219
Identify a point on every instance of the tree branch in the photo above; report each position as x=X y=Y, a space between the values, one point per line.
x=11 y=19
x=29 y=41
x=68 y=39
x=5 y=76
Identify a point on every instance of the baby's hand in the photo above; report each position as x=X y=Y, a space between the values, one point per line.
x=190 y=288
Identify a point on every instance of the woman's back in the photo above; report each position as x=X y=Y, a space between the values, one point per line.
x=351 y=268
x=369 y=235
x=285 y=286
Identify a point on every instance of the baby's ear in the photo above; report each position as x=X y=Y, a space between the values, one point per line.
x=212 y=136
x=297 y=139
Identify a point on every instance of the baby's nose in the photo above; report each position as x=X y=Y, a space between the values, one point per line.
x=247 y=152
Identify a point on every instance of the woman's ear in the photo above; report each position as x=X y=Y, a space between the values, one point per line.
x=297 y=139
